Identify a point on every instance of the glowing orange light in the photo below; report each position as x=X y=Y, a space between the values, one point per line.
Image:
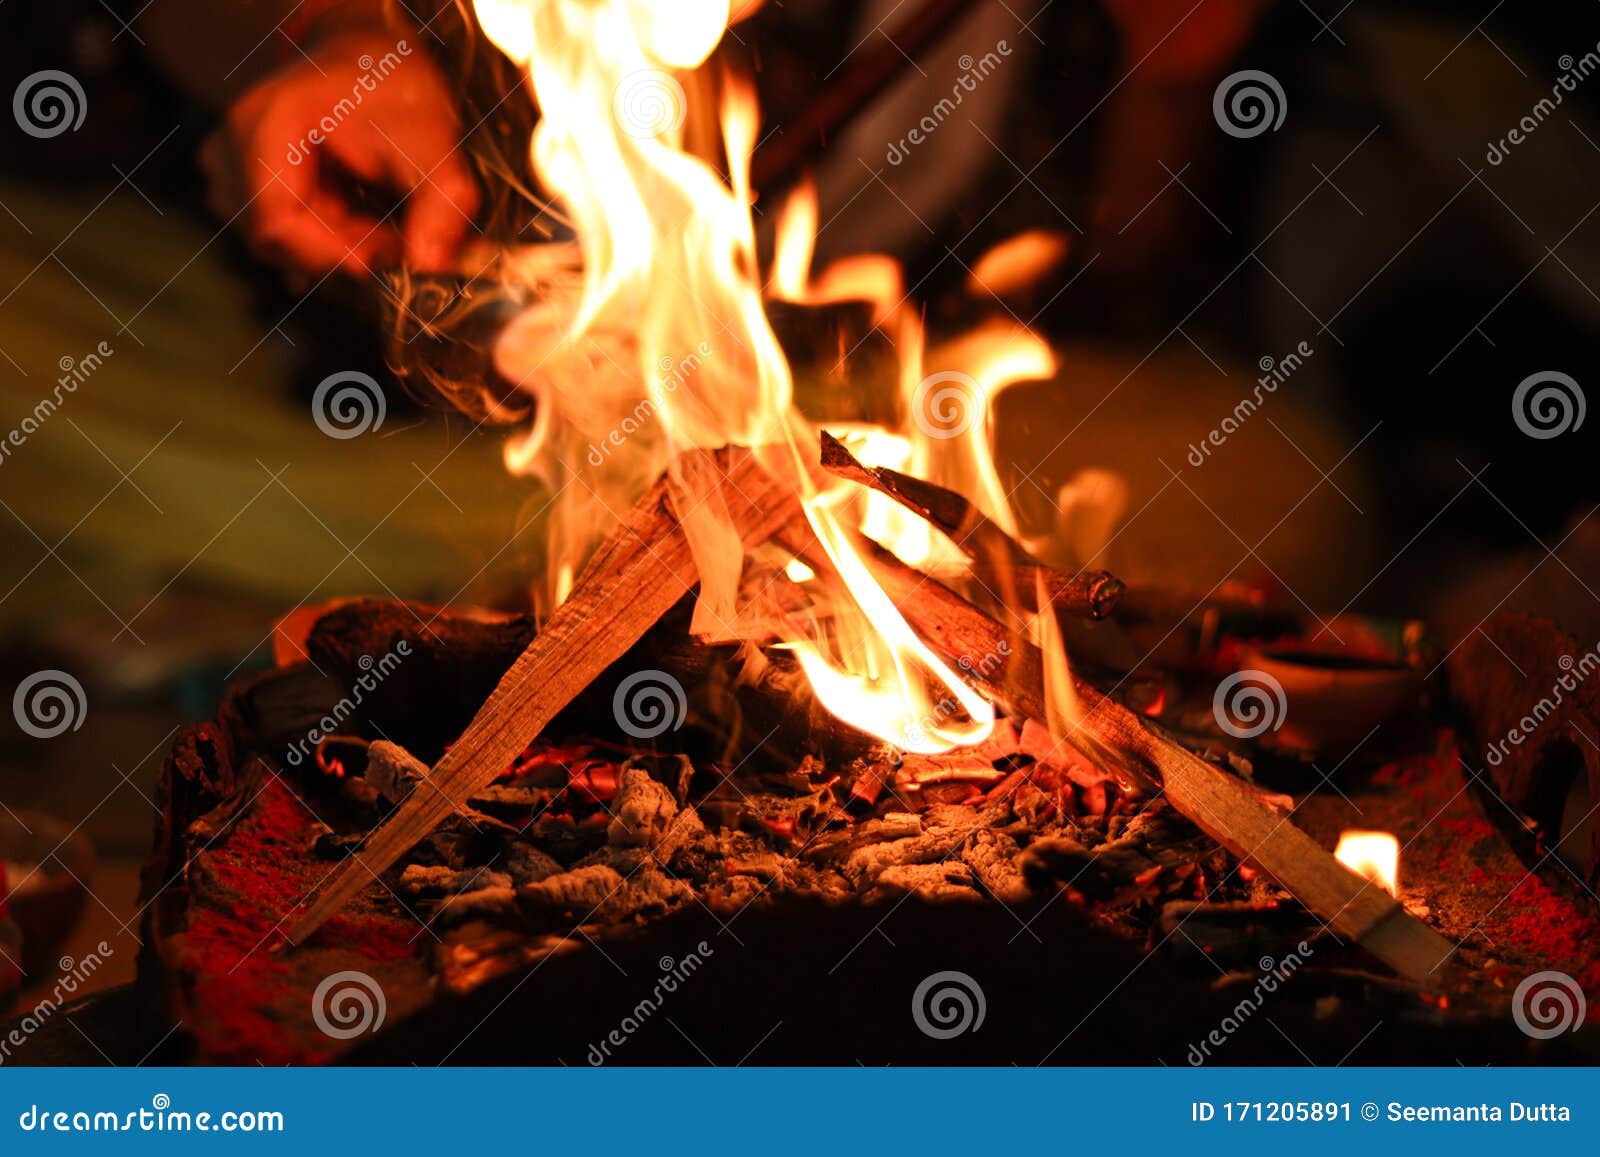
x=648 y=336
x=1372 y=855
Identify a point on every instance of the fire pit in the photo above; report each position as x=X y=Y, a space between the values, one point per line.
x=654 y=888
x=805 y=728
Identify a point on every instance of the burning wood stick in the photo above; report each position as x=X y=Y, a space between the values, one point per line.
x=998 y=560
x=640 y=572
x=1011 y=669
x=1215 y=801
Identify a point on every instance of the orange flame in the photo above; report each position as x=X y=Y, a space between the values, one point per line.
x=648 y=336
x=1372 y=855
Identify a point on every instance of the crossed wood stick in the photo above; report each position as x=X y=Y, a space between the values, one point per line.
x=647 y=566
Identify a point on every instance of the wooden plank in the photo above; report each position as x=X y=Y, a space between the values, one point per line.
x=638 y=575
x=998 y=560
x=1011 y=668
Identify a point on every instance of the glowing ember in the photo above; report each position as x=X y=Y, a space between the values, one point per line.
x=649 y=337
x=1373 y=855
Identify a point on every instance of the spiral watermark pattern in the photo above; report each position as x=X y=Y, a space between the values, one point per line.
x=49 y=703
x=649 y=103
x=348 y=404
x=1248 y=103
x=1548 y=1004
x=49 y=103
x=1548 y=404
x=947 y=1004
x=1249 y=703
x=948 y=404
x=348 y=1004
x=649 y=703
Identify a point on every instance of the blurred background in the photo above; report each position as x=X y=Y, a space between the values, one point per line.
x=174 y=498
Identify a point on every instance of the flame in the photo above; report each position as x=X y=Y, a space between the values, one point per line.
x=1372 y=855
x=1018 y=262
x=648 y=336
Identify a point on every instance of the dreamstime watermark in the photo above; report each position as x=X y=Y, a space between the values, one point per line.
x=1273 y=973
x=1249 y=703
x=1548 y=1004
x=673 y=973
x=1248 y=103
x=649 y=703
x=74 y=974
x=649 y=103
x=373 y=673
x=74 y=372
x=1572 y=73
x=1274 y=372
x=160 y=1117
x=1548 y=404
x=49 y=703
x=973 y=73
x=348 y=1004
x=49 y=103
x=1574 y=673
x=348 y=404
x=948 y=404
x=673 y=373
x=373 y=73
x=947 y=1004
x=986 y=668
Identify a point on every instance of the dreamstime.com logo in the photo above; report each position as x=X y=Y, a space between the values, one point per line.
x=649 y=103
x=348 y=404
x=160 y=1117
x=49 y=103
x=974 y=71
x=74 y=373
x=1249 y=703
x=1249 y=103
x=985 y=667
x=674 y=973
x=49 y=703
x=1548 y=1004
x=649 y=703
x=348 y=1004
x=1574 y=673
x=74 y=975
x=1274 y=373
x=373 y=72
x=1573 y=72
x=673 y=373
x=1548 y=404
x=1273 y=974
x=947 y=1004
x=373 y=673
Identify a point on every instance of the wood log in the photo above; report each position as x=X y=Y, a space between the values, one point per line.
x=647 y=566
x=636 y=577
x=1011 y=669
x=998 y=560
x=1004 y=662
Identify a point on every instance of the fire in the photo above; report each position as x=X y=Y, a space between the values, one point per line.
x=1373 y=855
x=649 y=336
x=1017 y=263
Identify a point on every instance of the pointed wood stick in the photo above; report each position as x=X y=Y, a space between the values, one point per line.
x=998 y=560
x=1218 y=803
x=1010 y=669
x=635 y=578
